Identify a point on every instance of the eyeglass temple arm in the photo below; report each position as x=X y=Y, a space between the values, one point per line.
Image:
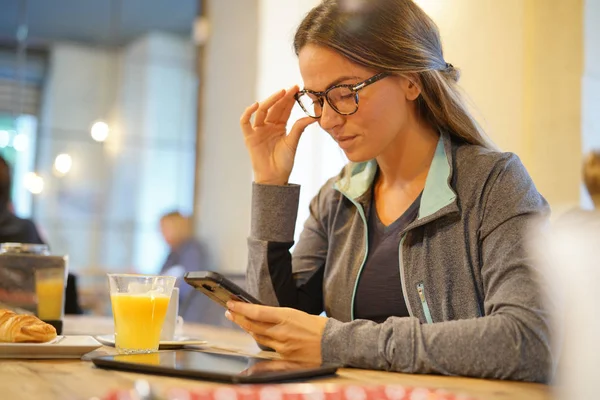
x=371 y=80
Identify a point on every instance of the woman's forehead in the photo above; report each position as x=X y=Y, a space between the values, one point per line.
x=322 y=67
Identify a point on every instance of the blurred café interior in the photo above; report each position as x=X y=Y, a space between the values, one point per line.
x=115 y=113
x=119 y=120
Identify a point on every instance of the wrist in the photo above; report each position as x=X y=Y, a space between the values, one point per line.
x=271 y=181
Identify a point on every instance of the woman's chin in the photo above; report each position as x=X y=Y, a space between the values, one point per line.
x=358 y=156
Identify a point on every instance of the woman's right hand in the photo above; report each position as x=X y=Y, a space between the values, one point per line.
x=272 y=150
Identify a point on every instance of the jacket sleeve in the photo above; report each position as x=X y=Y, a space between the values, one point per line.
x=512 y=339
x=274 y=276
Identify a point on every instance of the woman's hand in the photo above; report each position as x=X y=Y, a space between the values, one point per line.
x=294 y=334
x=271 y=149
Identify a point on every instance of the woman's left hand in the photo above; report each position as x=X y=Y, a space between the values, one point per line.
x=294 y=334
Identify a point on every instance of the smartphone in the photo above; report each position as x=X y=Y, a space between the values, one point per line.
x=218 y=288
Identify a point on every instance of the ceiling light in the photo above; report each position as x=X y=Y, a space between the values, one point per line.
x=34 y=183
x=100 y=131
x=63 y=163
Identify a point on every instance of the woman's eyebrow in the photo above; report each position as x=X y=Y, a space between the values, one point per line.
x=337 y=81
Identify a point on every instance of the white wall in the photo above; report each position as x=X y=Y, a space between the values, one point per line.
x=521 y=65
x=225 y=175
x=591 y=84
x=485 y=41
x=553 y=99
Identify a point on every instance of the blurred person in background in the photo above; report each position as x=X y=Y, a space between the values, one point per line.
x=12 y=228
x=417 y=251
x=186 y=254
x=21 y=230
x=591 y=177
x=584 y=218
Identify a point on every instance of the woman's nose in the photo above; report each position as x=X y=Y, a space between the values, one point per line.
x=330 y=118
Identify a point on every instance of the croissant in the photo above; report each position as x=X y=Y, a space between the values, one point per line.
x=15 y=328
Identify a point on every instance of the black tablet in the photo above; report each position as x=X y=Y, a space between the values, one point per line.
x=210 y=366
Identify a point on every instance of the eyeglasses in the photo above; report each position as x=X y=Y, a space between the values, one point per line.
x=342 y=98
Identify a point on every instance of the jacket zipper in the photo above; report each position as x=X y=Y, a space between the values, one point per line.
x=402 y=278
x=364 y=219
x=421 y=290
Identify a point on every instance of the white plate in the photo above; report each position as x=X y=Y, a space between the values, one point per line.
x=60 y=347
x=177 y=343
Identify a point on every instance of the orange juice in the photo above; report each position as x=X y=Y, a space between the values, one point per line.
x=138 y=320
x=50 y=293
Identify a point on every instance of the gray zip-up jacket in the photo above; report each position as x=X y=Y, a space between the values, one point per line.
x=474 y=297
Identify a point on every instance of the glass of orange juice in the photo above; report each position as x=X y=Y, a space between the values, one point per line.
x=139 y=305
x=50 y=291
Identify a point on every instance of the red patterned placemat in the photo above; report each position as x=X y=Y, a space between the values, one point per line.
x=302 y=391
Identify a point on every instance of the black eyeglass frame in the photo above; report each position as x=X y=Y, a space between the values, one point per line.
x=325 y=94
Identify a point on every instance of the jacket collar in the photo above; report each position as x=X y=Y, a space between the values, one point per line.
x=438 y=193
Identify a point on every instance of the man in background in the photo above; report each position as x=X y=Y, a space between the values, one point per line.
x=186 y=254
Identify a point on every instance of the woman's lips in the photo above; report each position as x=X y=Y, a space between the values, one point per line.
x=345 y=141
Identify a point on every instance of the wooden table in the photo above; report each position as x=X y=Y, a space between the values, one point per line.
x=77 y=380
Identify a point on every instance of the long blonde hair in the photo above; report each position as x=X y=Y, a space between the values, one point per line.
x=396 y=36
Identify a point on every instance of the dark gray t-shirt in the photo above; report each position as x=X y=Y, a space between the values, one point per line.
x=379 y=293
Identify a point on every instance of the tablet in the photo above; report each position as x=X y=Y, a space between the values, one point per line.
x=210 y=366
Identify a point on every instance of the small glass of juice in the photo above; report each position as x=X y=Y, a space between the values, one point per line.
x=50 y=291
x=139 y=305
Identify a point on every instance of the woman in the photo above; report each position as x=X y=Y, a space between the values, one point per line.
x=416 y=250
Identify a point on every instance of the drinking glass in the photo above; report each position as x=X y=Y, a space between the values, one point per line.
x=139 y=305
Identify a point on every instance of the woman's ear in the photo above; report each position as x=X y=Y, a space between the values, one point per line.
x=411 y=89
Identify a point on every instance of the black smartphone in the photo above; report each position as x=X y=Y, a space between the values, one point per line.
x=218 y=288
x=220 y=367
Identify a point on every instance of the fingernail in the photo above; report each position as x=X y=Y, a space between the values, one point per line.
x=230 y=305
x=228 y=315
